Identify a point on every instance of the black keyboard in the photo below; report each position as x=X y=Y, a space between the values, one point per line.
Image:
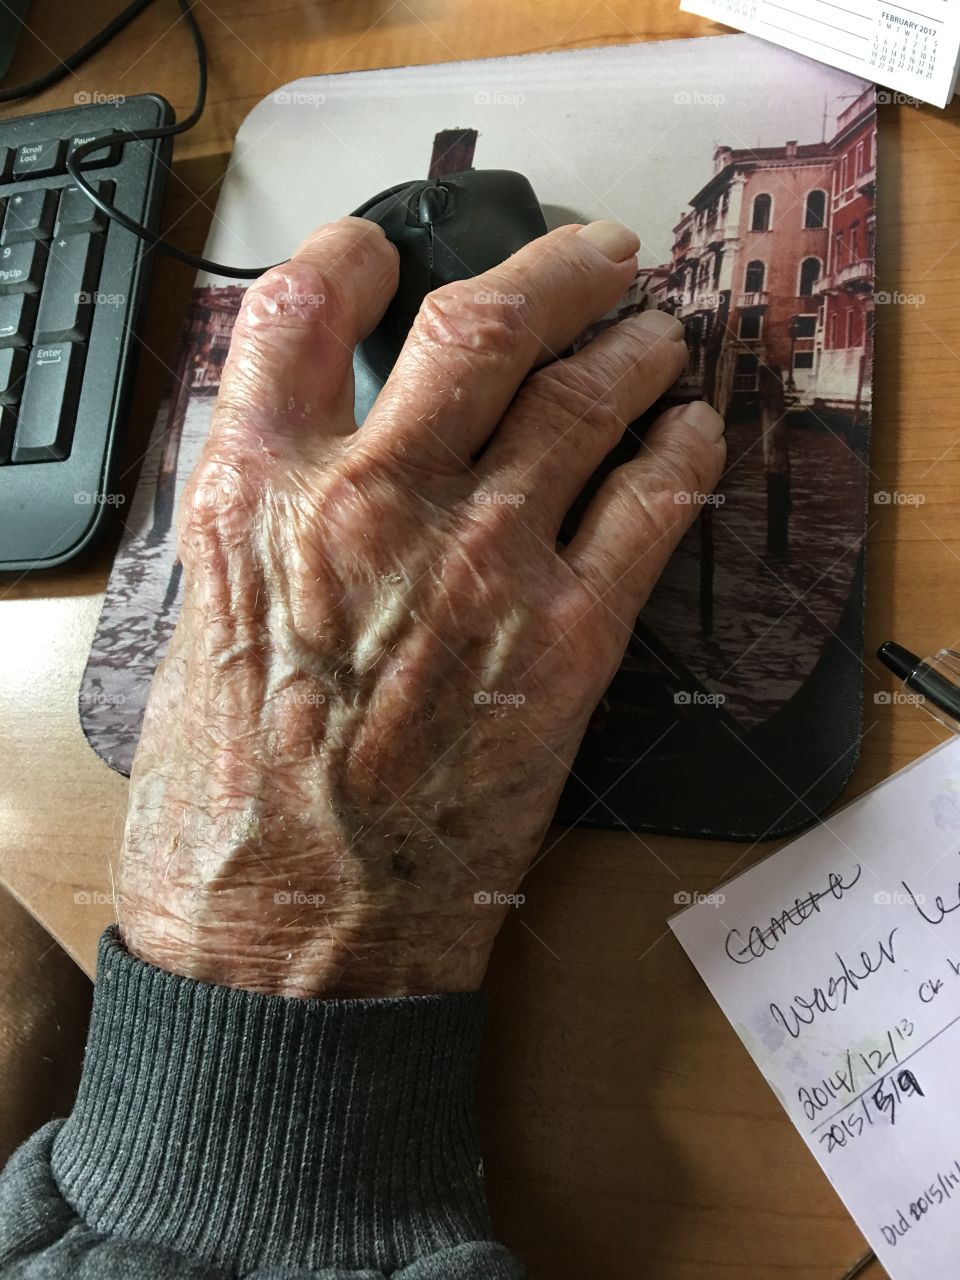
x=72 y=287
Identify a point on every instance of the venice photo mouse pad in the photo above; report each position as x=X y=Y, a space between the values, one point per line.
x=749 y=172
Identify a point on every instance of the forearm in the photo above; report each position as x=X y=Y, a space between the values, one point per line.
x=241 y=1131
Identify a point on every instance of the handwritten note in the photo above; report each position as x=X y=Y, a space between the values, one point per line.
x=837 y=961
x=913 y=48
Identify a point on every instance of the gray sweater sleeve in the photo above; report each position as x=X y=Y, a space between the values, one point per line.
x=222 y=1133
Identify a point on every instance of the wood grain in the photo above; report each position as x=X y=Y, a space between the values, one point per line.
x=626 y=1131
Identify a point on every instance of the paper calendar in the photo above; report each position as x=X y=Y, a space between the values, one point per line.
x=915 y=49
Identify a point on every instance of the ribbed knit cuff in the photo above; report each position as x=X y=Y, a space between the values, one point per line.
x=255 y=1130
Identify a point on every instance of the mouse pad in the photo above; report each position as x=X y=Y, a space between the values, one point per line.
x=737 y=710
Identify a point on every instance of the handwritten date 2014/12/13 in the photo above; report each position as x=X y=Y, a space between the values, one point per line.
x=859 y=1068
x=881 y=1102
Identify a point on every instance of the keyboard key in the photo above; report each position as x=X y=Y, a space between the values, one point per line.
x=66 y=305
x=96 y=159
x=48 y=406
x=29 y=216
x=78 y=212
x=17 y=314
x=39 y=159
x=21 y=266
x=12 y=366
x=6 y=163
x=8 y=423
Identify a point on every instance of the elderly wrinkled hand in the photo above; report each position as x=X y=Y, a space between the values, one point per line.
x=385 y=661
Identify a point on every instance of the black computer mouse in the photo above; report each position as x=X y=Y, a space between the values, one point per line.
x=445 y=229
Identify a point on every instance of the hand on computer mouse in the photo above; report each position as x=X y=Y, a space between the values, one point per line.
x=385 y=662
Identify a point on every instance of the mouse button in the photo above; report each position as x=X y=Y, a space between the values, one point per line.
x=433 y=204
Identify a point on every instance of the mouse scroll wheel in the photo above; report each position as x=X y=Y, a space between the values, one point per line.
x=433 y=204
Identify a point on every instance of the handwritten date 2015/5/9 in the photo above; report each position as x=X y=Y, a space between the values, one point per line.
x=881 y=1102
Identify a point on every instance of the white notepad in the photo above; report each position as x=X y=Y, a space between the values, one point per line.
x=913 y=48
x=837 y=961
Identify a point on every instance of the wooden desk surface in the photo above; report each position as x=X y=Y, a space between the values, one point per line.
x=627 y=1132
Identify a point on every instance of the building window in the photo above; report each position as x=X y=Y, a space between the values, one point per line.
x=815 y=212
x=762 y=213
x=851 y=328
x=854 y=241
x=809 y=275
x=860 y=166
x=746 y=373
x=753 y=281
x=838 y=250
x=804 y=332
x=751 y=325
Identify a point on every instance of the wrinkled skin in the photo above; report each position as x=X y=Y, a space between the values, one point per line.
x=384 y=662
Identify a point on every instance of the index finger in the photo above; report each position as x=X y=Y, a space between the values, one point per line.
x=474 y=341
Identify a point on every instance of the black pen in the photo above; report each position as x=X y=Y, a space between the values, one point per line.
x=936 y=679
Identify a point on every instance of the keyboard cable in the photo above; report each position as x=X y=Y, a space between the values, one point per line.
x=77 y=59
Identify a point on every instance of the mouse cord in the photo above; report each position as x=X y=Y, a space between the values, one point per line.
x=77 y=59
x=68 y=66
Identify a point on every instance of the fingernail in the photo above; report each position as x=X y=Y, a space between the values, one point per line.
x=613 y=239
x=705 y=418
x=659 y=323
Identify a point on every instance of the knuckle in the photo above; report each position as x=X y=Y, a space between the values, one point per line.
x=649 y=515
x=295 y=293
x=218 y=506
x=463 y=316
x=563 y=398
x=687 y=462
x=660 y=490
